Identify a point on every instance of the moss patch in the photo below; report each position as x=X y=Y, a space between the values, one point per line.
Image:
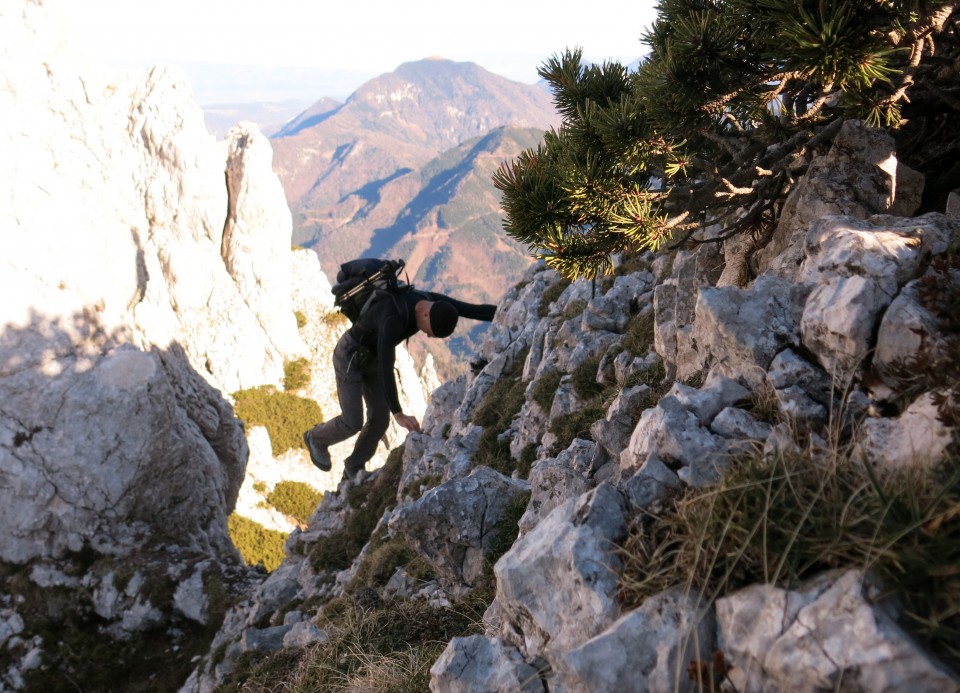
x=284 y=415
x=296 y=374
x=257 y=544
x=295 y=499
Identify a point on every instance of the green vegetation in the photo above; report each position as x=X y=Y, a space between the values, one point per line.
x=295 y=499
x=638 y=336
x=576 y=424
x=655 y=378
x=284 y=415
x=418 y=487
x=496 y=411
x=574 y=309
x=551 y=294
x=731 y=102
x=584 y=378
x=257 y=544
x=367 y=502
x=382 y=561
x=335 y=319
x=509 y=525
x=545 y=389
x=296 y=374
x=785 y=520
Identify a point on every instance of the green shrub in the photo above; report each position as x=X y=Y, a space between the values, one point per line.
x=551 y=294
x=584 y=378
x=301 y=319
x=256 y=543
x=296 y=374
x=545 y=389
x=638 y=337
x=295 y=499
x=284 y=415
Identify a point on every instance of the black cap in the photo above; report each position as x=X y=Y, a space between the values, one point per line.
x=443 y=319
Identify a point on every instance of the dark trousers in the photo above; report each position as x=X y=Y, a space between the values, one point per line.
x=358 y=382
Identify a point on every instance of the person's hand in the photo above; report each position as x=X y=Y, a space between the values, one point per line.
x=408 y=422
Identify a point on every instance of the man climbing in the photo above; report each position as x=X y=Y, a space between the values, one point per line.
x=363 y=362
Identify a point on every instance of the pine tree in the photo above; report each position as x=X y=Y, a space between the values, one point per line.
x=718 y=121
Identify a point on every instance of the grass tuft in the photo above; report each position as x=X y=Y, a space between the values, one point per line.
x=784 y=520
x=368 y=502
x=388 y=648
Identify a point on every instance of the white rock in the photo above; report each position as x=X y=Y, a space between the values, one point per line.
x=916 y=438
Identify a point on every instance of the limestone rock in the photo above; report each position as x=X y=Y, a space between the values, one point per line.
x=478 y=663
x=915 y=438
x=855 y=178
x=674 y=434
x=555 y=480
x=647 y=649
x=455 y=525
x=739 y=331
x=828 y=630
x=557 y=585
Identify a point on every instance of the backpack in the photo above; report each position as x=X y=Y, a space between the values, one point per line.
x=363 y=282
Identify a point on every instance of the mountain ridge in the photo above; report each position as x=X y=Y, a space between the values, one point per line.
x=404 y=167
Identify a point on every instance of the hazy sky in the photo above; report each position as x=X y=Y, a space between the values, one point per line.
x=350 y=41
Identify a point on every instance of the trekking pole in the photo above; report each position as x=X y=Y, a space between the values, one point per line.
x=389 y=268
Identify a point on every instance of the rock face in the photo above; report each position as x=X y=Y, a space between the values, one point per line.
x=614 y=401
x=117 y=293
x=592 y=410
x=147 y=274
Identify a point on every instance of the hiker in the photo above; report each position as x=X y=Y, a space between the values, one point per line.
x=363 y=362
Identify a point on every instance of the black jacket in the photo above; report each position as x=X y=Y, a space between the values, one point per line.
x=392 y=320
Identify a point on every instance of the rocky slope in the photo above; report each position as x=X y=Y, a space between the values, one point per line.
x=607 y=403
x=148 y=275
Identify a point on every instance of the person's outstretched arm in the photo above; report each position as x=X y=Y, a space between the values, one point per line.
x=474 y=311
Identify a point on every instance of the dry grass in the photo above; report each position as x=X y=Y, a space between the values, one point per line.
x=387 y=649
x=786 y=519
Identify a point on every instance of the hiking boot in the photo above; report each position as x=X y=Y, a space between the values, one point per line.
x=351 y=474
x=319 y=454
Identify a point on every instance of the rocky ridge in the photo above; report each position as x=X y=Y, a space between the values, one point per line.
x=820 y=332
